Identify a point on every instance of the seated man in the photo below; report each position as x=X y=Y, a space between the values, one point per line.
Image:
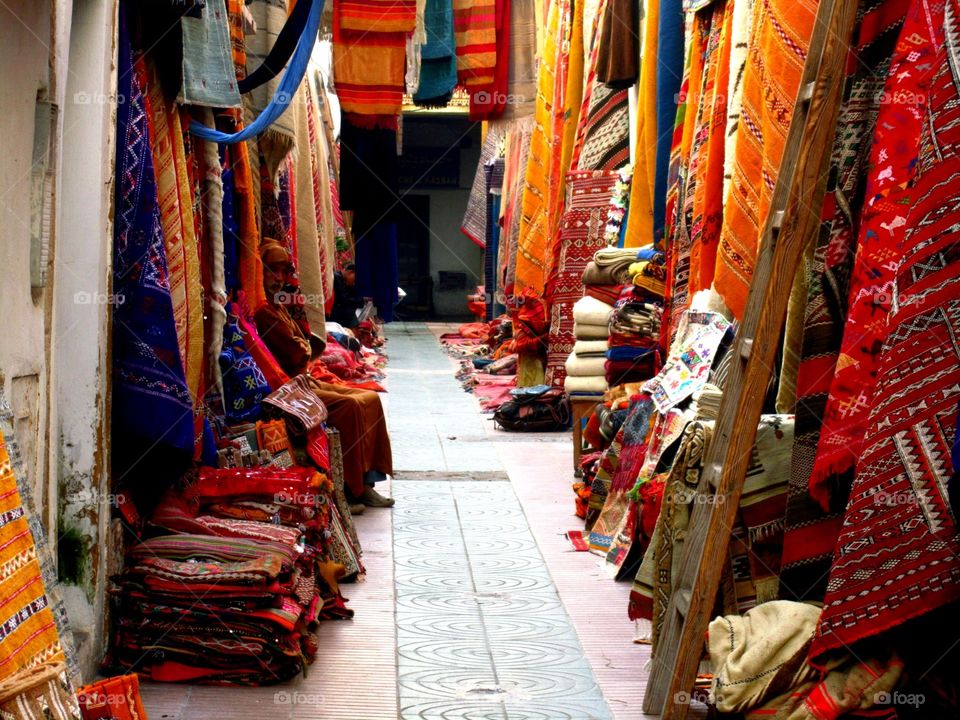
x=346 y=302
x=357 y=414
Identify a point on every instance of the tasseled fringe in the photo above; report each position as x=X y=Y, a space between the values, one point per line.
x=768 y=589
x=767 y=530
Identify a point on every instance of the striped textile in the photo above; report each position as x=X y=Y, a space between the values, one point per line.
x=378 y=15
x=28 y=631
x=474 y=26
x=175 y=199
x=368 y=72
x=778 y=49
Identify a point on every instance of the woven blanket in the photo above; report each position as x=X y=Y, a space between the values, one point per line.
x=883 y=225
x=488 y=101
x=760 y=523
x=826 y=304
x=522 y=70
x=378 y=16
x=438 y=56
x=28 y=635
x=606 y=130
x=581 y=235
x=639 y=229
x=618 y=44
x=150 y=395
x=270 y=17
x=707 y=152
x=778 y=48
x=897 y=523
x=368 y=72
x=209 y=78
x=475 y=218
x=474 y=23
x=615 y=504
x=175 y=200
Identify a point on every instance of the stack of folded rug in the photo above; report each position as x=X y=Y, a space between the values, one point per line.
x=585 y=365
x=634 y=353
x=233 y=581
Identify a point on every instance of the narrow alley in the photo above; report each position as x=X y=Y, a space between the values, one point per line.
x=474 y=605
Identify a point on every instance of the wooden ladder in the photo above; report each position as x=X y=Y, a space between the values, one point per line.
x=793 y=221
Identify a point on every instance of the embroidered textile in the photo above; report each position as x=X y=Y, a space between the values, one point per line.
x=913 y=414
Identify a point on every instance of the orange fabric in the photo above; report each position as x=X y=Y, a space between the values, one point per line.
x=31 y=636
x=640 y=217
x=175 y=199
x=780 y=36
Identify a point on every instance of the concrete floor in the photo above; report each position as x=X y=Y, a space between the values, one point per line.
x=475 y=605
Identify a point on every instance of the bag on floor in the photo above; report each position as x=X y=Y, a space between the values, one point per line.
x=535 y=409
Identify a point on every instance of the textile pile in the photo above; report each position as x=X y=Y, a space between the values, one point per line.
x=585 y=366
x=234 y=596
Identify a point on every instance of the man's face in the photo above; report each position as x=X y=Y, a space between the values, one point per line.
x=275 y=276
x=350 y=277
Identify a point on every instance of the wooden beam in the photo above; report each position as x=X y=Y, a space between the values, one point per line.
x=793 y=220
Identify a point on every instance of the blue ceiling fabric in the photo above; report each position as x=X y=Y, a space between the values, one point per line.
x=285 y=91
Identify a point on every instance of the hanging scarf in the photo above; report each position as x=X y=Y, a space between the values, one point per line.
x=618 y=46
x=778 y=48
x=491 y=101
x=150 y=395
x=522 y=71
x=438 y=57
x=897 y=554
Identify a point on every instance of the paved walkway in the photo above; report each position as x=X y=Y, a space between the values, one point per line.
x=474 y=605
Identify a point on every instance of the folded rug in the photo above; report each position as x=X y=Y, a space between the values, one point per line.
x=588 y=331
x=590 y=311
x=584 y=367
x=591 y=385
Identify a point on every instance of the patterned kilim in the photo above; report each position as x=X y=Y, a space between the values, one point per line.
x=150 y=395
x=474 y=25
x=879 y=27
x=606 y=142
x=179 y=230
x=581 y=235
x=28 y=633
x=754 y=553
x=883 y=226
x=897 y=555
x=378 y=15
x=636 y=431
x=778 y=48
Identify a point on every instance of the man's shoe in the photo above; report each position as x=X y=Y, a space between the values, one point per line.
x=371 y=498
x=357 y=508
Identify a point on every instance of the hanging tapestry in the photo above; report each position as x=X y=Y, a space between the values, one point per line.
x=581 y=235
x=897 y=554
x=150 y=395
x=829 y=278
x=778 y=48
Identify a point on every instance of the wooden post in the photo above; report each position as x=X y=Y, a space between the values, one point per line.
x=793 y=220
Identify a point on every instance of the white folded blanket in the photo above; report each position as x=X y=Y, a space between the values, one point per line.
x=585 y=367
x=586 y=348
x=590 y=311
x=595 y=385
x=585 y=331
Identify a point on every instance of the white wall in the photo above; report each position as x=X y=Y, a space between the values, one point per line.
x=53 y=349
x=81 y=316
